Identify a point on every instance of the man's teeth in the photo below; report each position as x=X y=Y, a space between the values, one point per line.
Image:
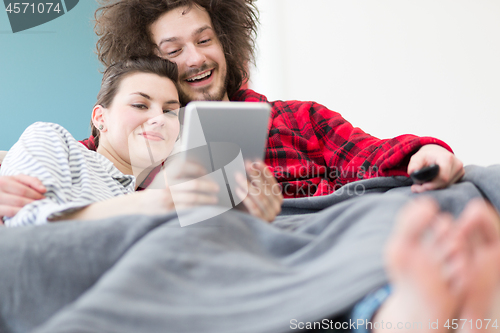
x=201 y=76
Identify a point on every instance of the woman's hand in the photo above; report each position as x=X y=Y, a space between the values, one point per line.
x=450 y=167
x=187 y=186
x=184 y=195
x=264 y=197
x=189 y=191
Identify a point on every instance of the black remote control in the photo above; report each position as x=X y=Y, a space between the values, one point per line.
x=425 y=174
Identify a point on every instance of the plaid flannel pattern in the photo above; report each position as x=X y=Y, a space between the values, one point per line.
x=313 y=151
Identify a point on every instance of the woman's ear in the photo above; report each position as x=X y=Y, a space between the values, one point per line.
x=98 y=117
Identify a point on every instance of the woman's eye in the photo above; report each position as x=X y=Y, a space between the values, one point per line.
x=140 y=106
x=205 y=41
x=171 y=112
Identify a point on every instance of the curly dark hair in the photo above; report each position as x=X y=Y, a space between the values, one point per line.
x=123 y=30
x=115 y=74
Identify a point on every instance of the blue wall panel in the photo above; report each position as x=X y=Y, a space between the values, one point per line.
x=48 y=73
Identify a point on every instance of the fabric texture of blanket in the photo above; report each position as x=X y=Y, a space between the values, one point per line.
x=232 y=273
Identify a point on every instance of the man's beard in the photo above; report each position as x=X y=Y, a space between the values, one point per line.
x=218 y=95
x=206 y=95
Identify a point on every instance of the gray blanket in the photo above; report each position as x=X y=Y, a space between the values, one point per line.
x=232 y=273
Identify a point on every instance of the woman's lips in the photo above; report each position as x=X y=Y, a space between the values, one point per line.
x=153 y=136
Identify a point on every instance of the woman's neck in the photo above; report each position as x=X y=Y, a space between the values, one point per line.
x=124 y=167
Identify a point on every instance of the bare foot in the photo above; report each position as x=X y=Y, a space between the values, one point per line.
x=479 y=230
x=420 y=262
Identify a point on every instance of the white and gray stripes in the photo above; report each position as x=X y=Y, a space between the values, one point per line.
x=73 y=175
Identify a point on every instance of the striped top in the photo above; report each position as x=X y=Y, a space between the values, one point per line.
x=73 y=175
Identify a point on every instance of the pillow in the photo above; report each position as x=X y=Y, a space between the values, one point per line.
x=2 y=156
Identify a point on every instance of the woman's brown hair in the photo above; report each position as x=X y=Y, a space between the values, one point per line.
x=115 y=74
x=123 y=27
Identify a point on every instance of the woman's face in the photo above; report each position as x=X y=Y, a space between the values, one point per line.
x=141 y=125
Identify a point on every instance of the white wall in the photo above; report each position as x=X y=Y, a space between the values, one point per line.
x=426 y=67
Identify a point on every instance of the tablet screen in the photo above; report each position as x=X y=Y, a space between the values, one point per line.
x=220 y=136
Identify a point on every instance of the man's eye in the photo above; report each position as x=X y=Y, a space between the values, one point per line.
x=173 y=53
x=205 y=41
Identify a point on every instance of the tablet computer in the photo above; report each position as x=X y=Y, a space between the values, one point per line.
x=221 y=136
x=223 y=129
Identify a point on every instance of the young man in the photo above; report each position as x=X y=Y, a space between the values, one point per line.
x=311 y=149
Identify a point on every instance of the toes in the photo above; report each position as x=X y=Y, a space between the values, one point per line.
x=412 y=226
x=415 y=218
x=480 y=223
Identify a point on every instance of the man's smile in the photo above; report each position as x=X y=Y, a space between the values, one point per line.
x=200 y=79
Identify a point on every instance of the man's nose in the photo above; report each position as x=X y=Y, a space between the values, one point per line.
x=194 y=56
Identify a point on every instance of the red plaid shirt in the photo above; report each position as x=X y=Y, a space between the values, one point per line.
x=313 y=150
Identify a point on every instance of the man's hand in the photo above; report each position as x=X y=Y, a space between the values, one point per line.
x=18 y=191
x=264 y=197
x=451 y=169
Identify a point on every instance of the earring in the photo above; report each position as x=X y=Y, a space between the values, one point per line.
x=101 y=127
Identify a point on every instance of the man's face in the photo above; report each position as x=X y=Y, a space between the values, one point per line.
x=186 y=37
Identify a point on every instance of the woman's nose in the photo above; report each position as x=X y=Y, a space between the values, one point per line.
x=158 y=120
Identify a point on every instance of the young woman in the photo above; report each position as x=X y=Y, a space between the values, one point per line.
x=433 y=264
x=135 y=125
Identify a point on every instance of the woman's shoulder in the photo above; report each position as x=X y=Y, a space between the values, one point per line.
x=45 y=127
x=48 y=133
x=41 y=143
